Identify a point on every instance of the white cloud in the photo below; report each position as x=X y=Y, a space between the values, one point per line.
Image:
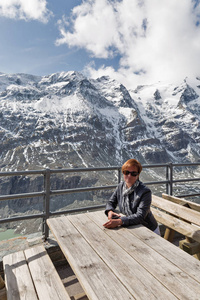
x=156 y=40
x=25 y=9
x=91 y=21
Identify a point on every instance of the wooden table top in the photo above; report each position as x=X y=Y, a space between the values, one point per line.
x=125 y=262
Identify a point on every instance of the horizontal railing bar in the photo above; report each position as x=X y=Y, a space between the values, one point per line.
x=185 y=180
x=15 y=173
x=77 y=190
x=19 y=196
x=32 y=172
x=67 y=191
x=185 y=164
x=20 y=218
x=74 y=210
x=155 y=166
x=157 y=182
x=42 y=171
x=83 y=170
x=187 y=195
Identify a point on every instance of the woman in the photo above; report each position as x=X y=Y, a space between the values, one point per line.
x=133 y=199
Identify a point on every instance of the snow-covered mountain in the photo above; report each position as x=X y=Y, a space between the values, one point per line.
x=68 y=120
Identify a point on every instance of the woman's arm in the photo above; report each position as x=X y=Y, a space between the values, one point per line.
x=114 y=219
x=112 y=202
x=141 y=212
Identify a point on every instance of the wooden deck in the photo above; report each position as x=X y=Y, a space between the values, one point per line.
x=125 y=263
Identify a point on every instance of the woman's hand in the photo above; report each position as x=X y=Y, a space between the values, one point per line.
x=113 y=215
x=112 y=223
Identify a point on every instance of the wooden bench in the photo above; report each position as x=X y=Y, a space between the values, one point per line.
x=181 y=216
x=30 y=274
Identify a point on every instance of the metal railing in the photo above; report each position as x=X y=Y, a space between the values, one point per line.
x=47 y=192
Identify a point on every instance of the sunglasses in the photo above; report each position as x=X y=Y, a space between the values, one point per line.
x=132 y=173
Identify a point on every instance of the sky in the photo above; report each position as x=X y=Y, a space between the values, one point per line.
x=133 y=41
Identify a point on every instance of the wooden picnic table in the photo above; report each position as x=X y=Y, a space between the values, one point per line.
x=125 y=262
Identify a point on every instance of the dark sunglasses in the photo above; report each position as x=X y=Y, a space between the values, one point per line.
x=132 y=173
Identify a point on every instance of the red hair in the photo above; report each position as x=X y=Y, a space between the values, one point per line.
x=130 y=163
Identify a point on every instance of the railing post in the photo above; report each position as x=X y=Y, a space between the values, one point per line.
x=46 y=203
x=171 y=179
x=167 y=179
x=119 y=175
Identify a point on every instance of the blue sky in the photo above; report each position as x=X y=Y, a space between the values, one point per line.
x=133 y=41
x=29 y=45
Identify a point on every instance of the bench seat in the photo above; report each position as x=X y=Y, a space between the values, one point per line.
x=181 y=216
x=30 y=274
x=176 y=224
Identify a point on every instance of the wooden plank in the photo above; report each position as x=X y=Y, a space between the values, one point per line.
x=47 y=282
x=172 y=277
x=191 y=248
x=169 y=234
x=178 y=257
x=3 y=295
x=18 y=281
x=185 y=213
x=92 y=273
x=2 y=283
x=140 y=283
x=192 y=205
x=178 y=225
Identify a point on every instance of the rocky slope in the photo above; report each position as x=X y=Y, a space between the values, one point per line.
x=67 y=120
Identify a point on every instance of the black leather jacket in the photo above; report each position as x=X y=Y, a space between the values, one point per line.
x=140 y=207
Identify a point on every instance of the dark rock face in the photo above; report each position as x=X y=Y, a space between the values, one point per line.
x=188 y=95
x=157 y=95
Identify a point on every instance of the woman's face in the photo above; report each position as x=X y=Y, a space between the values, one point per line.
x=129 y=179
